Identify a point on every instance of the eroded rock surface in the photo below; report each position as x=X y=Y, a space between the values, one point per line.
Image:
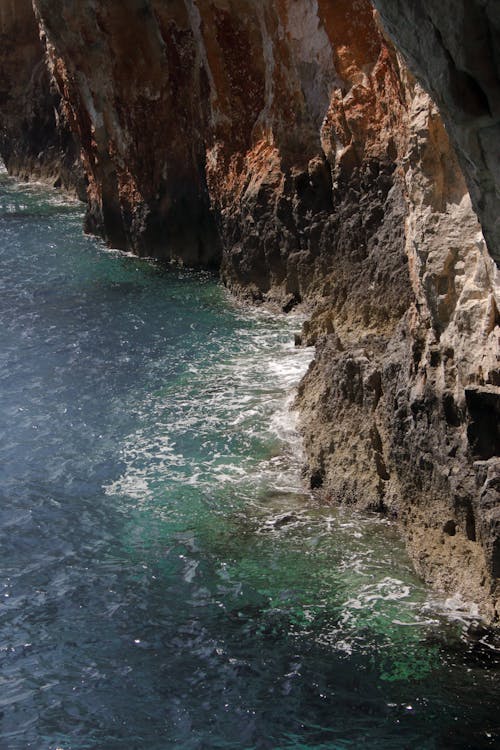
x=241 y=134
x=408 y=423
x=35 y=141
x=287 y=144
x=453 y=46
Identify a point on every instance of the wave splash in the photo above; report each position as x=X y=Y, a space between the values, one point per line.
x=225 y=421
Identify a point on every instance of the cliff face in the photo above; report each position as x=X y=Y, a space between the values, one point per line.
x=204 y=134
x=287 y=144
x=136 y=94
x=408 y=422
x=35 y=141
x=453 y=47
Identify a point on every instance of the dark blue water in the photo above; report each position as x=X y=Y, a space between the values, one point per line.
x=165 y=581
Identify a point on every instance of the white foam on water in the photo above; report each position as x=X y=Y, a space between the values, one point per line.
x=205 y=432
x=226 y=410
x=454 y=608
x=44 y=191
x=389 y=589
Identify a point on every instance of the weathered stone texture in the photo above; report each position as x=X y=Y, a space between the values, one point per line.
x=408 y=422
x=226 y=133
x=35 y=142
x=136 y=95
x=453 y=46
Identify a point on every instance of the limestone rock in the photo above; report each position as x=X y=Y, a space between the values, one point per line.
x=453 y=47
x=405 y=422
x=35 y=140
x=258 y=136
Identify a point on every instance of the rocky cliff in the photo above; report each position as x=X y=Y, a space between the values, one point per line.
x=407 y=421
x=35 y=139
x=453 y=47
x=209 y=132
x=287 y=144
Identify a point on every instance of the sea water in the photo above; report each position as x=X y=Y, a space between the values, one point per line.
x=165 y=579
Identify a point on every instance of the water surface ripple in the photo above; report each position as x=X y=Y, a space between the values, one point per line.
x=165 y=583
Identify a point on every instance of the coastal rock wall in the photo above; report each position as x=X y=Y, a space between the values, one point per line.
x=35 y=140
x=136 y=94
x=453 y=49
x=407 y=423
x=314 y=199
x=287 y=144
x=453 y=46
x=226 y=134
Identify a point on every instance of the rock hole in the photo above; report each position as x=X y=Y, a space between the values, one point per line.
x=291 y=301
x=470 y=525
x=375 y=383
x=493 y=317
x=443 y=284
x=435 y=358
x=417 y=351
x=483 y=430
x=381 y=468
x=316 y=480
x=375 y=439
x=451 y=411
x=450 y=528
x=301 y=184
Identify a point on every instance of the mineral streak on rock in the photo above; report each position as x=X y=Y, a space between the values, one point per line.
x=35 y=141
x=285 y=142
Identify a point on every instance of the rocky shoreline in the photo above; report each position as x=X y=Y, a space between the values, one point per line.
x=288 y=145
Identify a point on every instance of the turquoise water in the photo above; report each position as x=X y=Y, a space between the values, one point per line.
x=166 y=583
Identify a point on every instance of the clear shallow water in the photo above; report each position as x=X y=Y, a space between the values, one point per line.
x=164 y=583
